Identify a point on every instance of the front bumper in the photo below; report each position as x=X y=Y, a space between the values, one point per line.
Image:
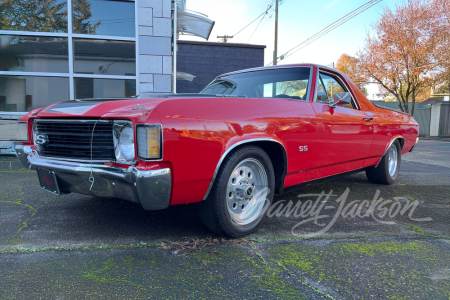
x=150 y=188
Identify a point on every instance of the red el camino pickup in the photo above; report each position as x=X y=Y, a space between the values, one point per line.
x=248 y=135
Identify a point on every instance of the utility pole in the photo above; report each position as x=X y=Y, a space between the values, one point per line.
x=275 y=49
x=225 y=37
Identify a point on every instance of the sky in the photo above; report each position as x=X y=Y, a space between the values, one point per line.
x=298 y=20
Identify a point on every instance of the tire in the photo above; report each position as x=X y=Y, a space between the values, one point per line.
x=387 y=170
x=232 y=207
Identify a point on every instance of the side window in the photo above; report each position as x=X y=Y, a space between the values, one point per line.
x=321 y=92
x=268 y=90
x=296 y=89
x=328 y=86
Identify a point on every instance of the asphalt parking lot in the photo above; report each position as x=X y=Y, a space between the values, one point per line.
x=348 y=239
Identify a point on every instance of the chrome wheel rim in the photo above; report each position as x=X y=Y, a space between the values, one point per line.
x=392 y=160
x=246 y=191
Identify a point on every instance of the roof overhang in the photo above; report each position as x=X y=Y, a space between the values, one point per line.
x=194 y=24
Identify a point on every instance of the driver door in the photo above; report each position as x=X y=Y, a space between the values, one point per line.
x=344 y=135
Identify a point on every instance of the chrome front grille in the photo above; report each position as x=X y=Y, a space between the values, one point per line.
x=71 y=139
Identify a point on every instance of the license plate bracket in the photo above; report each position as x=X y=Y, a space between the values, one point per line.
x=48 y=182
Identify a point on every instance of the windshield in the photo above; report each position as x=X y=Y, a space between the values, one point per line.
x=273 y=83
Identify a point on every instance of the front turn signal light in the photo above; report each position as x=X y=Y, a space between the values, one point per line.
x=149 y=141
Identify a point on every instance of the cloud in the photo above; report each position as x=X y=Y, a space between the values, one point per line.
x=330 y=5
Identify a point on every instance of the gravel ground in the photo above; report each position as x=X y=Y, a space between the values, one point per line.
x=80 y=247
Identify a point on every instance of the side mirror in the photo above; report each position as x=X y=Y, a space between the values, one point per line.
x=342 y=97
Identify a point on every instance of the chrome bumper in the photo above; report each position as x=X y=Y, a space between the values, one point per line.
x=149 y=188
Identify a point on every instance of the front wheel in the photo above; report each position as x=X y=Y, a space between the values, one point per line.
x=242 y=190
x=387 y=170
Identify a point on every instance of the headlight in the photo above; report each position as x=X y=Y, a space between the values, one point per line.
x=124 y=142
x=23 y=134
x=149 y=139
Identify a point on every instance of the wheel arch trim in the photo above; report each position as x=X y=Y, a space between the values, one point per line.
x=397 y=137
x=225 y=154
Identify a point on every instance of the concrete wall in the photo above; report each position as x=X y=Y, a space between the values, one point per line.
x=206 y=60
x=154 y=46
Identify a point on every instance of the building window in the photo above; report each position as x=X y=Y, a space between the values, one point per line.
x=104 y=57
x=104 y=88
x=20 y=53
x=44 y=59
x=130 y=88
x=26 y=15
x=104 y=17
x=25 y=93
x=84 y=88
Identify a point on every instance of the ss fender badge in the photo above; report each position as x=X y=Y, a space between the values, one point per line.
x=303 y=148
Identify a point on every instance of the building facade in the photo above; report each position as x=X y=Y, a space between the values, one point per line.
x=56 y=50
x=53 y=50
x=207 y=60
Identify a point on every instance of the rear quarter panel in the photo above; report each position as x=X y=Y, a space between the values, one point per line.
x=387 y=125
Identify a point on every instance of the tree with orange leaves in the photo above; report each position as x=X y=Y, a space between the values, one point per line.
x=401 y=56
x=442 y=30
x=349 y=66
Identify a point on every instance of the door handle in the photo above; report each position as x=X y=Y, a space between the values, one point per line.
x=368 y=119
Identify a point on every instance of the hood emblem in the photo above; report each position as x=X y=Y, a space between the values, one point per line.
x=41 y=139
x=138 y=107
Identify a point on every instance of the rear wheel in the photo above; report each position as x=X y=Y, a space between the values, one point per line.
x=243 y=187
x=387 y=170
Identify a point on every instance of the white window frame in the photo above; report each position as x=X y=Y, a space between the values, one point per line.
x=70 y=36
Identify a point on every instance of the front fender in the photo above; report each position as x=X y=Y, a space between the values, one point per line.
x=241 y=141
x=198 y=132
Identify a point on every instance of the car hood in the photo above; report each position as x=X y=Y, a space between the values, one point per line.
x=134 y=109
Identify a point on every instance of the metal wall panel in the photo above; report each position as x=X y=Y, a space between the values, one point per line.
x=156 y=5
x=150 y=64
x=162 y=27
x=167 y=65
x=444 y=121
x=163 y=83
x=155 y=45
x=423 y=117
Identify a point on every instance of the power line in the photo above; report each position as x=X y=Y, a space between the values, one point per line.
x=258 y=25
x=270 y=6
x=329 y=28
x=267 y=12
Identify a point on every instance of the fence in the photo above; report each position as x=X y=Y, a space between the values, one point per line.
x=423 y=117
x=444 y=120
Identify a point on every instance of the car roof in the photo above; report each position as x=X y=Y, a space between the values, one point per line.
x=278 y=67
